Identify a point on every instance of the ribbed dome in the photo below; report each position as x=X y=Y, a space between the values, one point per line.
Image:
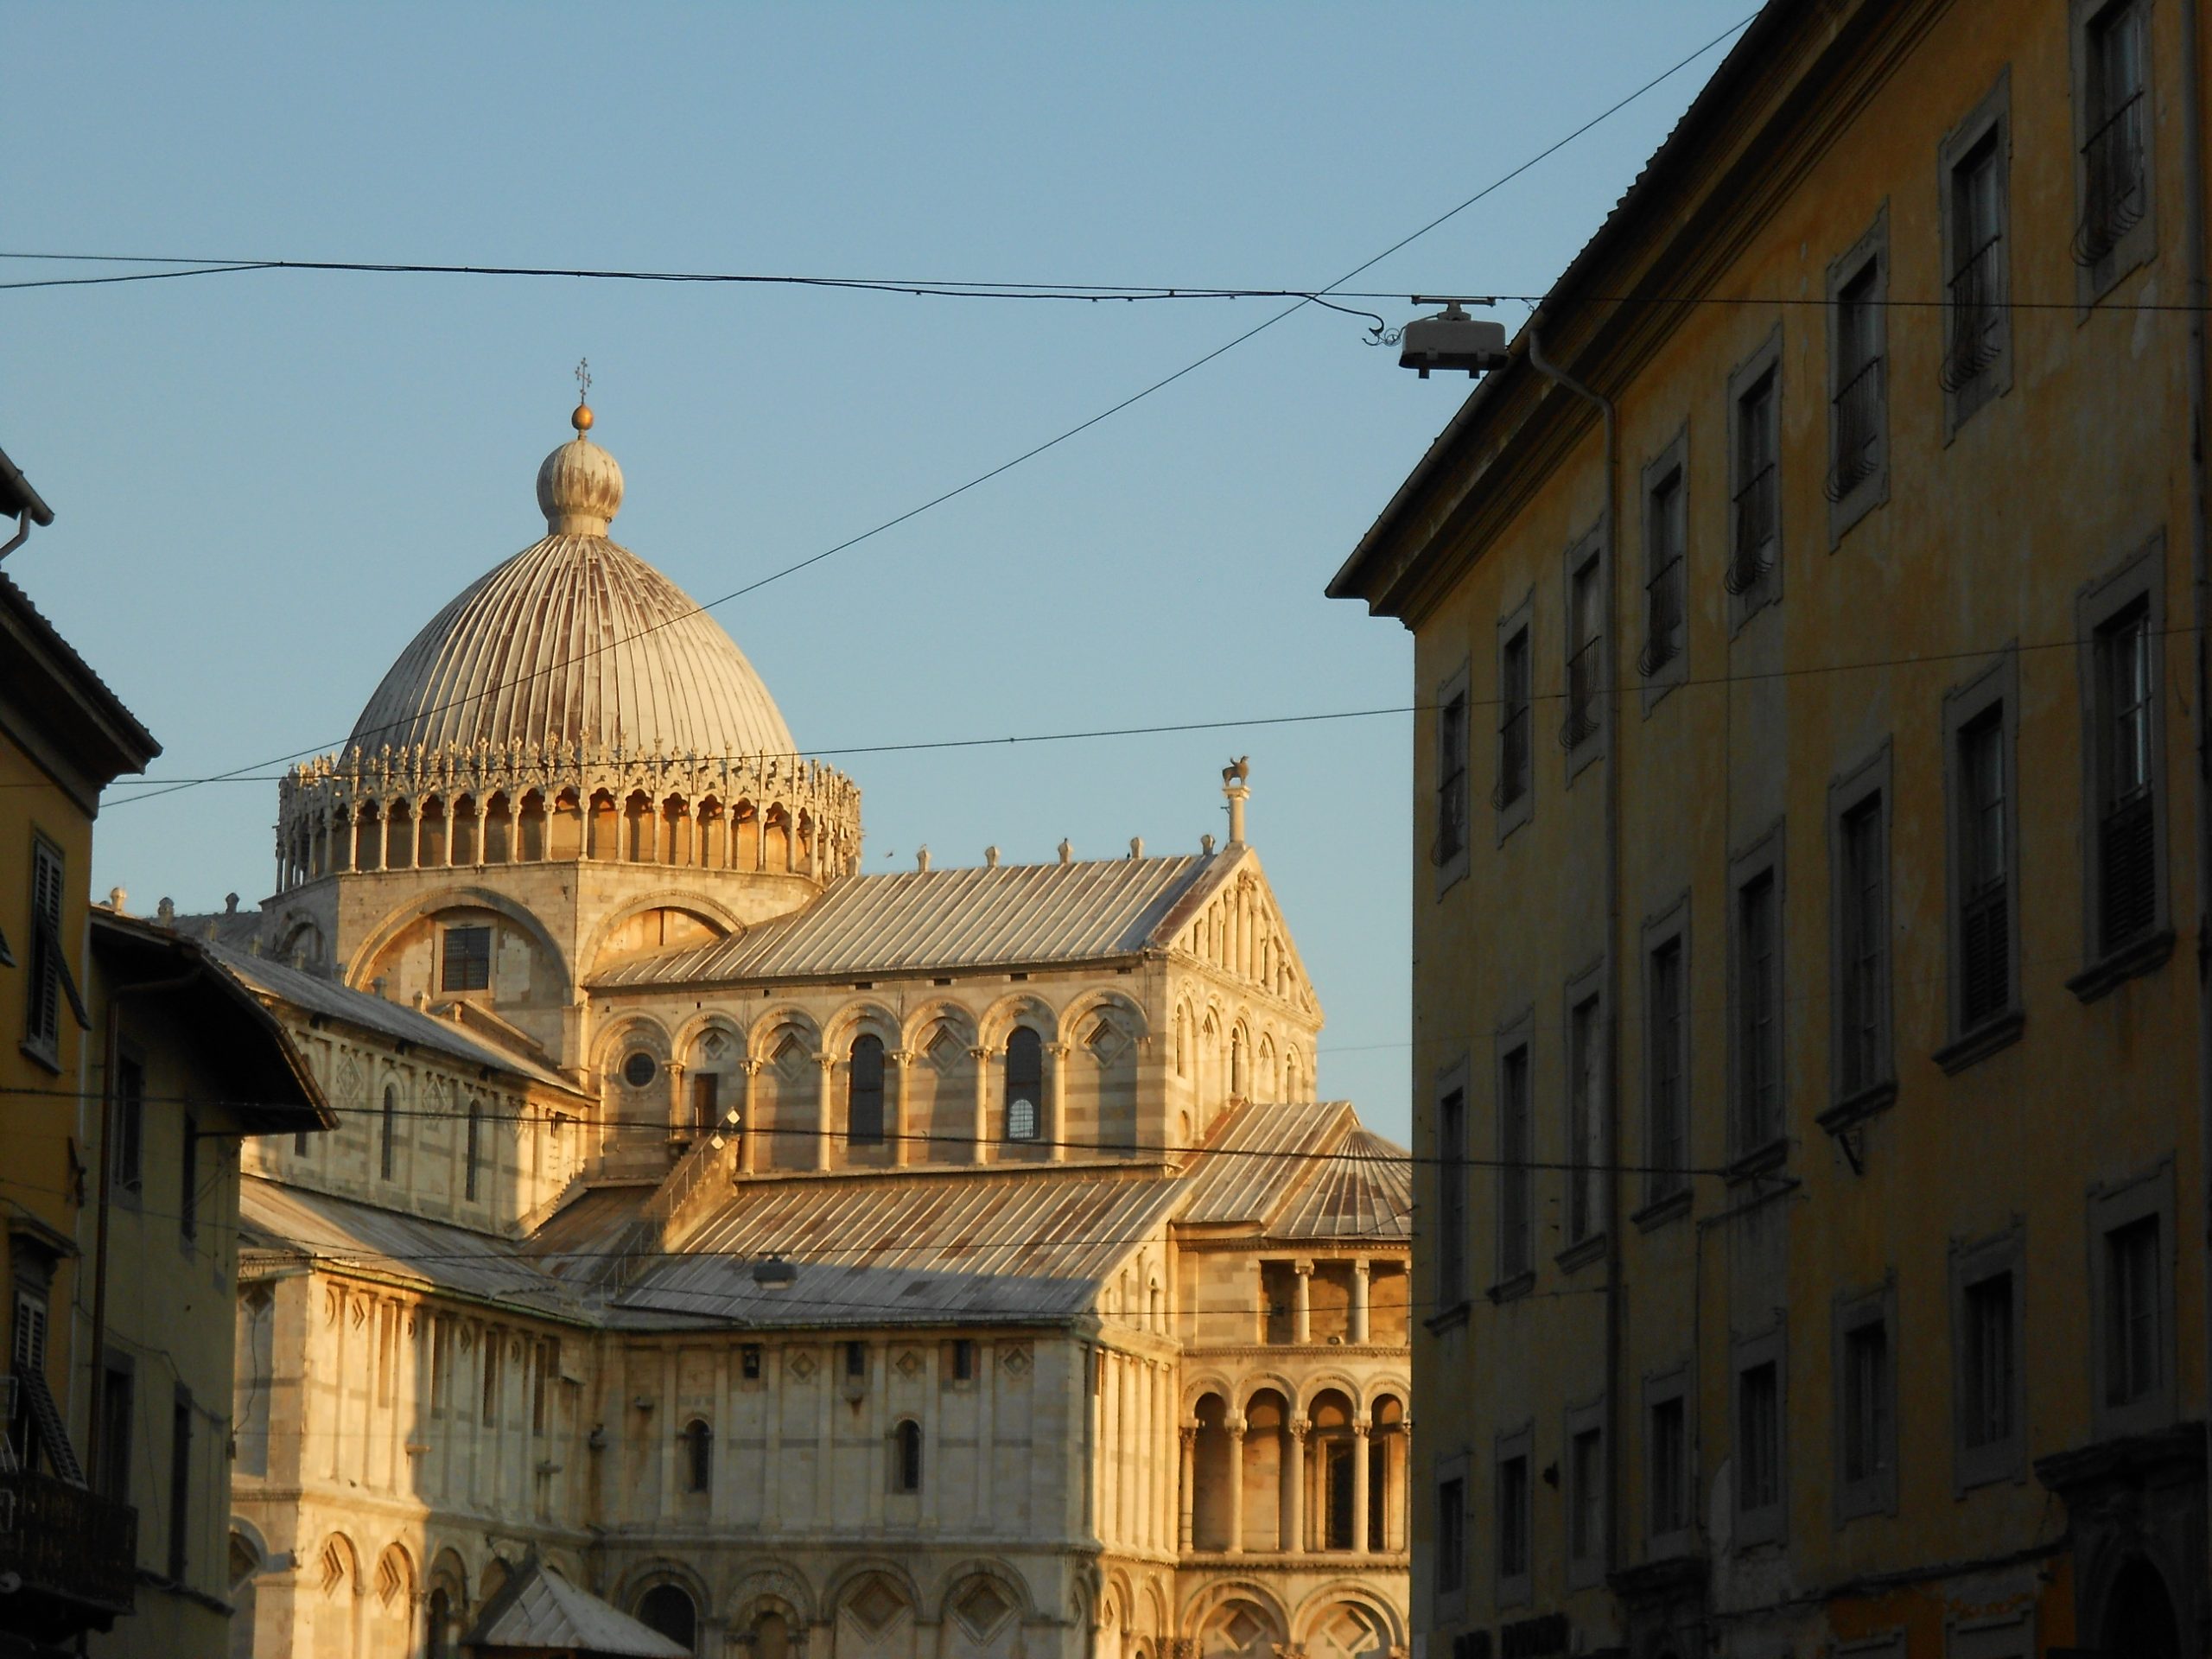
x=574 y=638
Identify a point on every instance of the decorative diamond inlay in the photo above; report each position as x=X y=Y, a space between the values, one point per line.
x=876 y=1604
x=944 y=1049
x=910 y=1363
x=1016 y=1360
x=983 y=1609
x=715 y=1046
x=802 y=1364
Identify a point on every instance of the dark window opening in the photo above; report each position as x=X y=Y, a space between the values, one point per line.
x=180 y=1484
x=1452 y=779
x=1025 y=1083
x=467 y=965
x=1669 y=1454
x=1977 y=280
x=963 y=1360
x=1758 y=1014
x=188 y=1174
x=1586 y=659
x=1864 y=947
x=864 y=1092
x=1756 y=518
x=1856 y=414
x=1985 y=913
x=1515 y=754
x=856 y=1360
x=698 y=1456
x=1513 y=1518
x=908 y=1474
x=667 y=1608
x=1663 y=587
x=1585 y=1471
x=748 y=1361
x=2128 y=866
x=2133 y=1312
x=389 y=1139
x=1758 y=1427
x=1865 y=1402
x=2115 y=183
x=1988 y=1362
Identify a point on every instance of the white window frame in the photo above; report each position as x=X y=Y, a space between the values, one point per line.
x=1662 y=1388
x=1767 y=1523
x=1750 y=590
x=1764 y=857
x=2137 y=243
x=1584 y=738
x=1998 y=685
x=1516 y=1037
x=1514 y=1590
x=1671 y=465
x=1451 y=866
x=1666 y=1197
x=1521 y=621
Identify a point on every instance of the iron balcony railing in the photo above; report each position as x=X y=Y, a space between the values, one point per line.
x=67 y=1542
x=2113 y=193
x=1858 y=417
x=1582 y=722
x=1663 y=595
x=1750 y=554
x=1977 y=316
x=1512 y=757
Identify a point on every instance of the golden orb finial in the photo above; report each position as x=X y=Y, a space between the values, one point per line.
x=582 y=419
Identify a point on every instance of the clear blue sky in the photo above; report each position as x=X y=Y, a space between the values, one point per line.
x=264 y=484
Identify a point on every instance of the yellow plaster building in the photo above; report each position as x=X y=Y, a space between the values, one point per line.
x=137 y=1067
x=1809 y=1012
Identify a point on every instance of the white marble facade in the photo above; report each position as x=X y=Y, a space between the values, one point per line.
x=950 y=1262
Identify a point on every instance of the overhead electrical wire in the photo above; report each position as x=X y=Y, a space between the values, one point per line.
x=1305 y=297
x=155 y=787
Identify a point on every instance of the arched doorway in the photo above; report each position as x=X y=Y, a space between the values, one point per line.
x=2140 y=1621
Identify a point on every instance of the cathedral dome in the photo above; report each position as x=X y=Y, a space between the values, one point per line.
x=575 y=640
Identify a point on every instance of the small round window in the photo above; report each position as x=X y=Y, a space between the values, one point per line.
x=639 y=1069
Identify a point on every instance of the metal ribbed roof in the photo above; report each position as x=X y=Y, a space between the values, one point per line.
x=540 y=1611
x=975 y=1244
x=1256 y=1154
x=292 y=1220
x=575 y=640
x=1364 y=1191
x=326 y=996
x=946 y=920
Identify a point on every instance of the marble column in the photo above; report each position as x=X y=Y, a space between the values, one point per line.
x=901 y=1131
x=824 y=1109
x=748 y=1140
x=1189 y=1485
x=1056 y=1099
x=1359 y=1478
x=979 y=1145
x=1301 y=1303
x=1360 y=1277
x=1235 y=1426
x=1294 y=1486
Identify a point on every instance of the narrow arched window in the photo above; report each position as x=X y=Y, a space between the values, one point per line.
x=1025 y=1083
x=473 y=1154
x=438 y=1631
x=391 y=1130
x=908 y=1473
x=698 y=1456
x=864 y=1093
x=1237 y=1064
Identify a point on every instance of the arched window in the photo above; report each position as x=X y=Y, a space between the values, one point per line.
x=391 y=1130
x=1025 y=1083
x=1237 y=1064
x=668 y=1609
x=864 y=1092
x=698 y=1456
x=906 y=1476
x=475 y=1147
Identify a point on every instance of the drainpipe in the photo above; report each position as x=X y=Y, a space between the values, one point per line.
x=2200 y=561
x=1609 y=1142
x=111 y=1057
